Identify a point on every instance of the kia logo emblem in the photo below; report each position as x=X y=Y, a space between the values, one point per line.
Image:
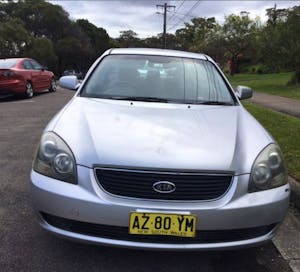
x=164 y=187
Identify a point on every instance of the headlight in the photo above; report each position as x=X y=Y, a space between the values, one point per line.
x=268 y=170
x=55 y=159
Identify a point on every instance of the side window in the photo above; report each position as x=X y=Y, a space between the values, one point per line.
x=35 y=65
x=27 y=65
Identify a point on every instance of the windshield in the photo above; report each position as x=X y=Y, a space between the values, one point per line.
x=7 y=63
x=157 y=79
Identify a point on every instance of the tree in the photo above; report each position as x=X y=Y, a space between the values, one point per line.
x=128 y=38
x=239 y=34
x=152 y=42
x=41 y=18
x=72 y=54
x=44 y=31
x=280 y=43
x=98 y=37
x=293 y=30
x=201 y=35
x=184 y=37
x=42 y=50
x=14 y=38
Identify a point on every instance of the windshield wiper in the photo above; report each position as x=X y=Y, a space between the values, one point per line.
x=163 y=100
x=215 y=103
x=140 y=98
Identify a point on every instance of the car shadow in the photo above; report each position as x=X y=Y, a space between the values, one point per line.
x=14 y=98
x=264 y=258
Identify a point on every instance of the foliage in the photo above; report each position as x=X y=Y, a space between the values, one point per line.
x=239 y=34
x=295 y=80
x=97 y=36
x=279 y=40
x=286 y=131
x=43 y=30
x=14 y=38
x=42 y=49
x=197 y=33
x=128 y=38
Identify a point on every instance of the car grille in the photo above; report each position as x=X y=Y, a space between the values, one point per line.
x=139 y=184
x=121 y=233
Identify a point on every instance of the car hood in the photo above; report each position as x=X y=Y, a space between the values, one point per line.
x=160 y=135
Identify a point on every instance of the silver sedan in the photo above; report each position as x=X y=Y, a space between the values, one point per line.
x=156 y=151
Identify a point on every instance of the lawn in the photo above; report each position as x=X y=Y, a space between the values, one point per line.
x=268 y=83
x=286 y=131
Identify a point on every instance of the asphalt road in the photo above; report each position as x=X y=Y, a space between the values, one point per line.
x=24 y=246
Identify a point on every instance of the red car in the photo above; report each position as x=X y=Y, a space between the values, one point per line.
x=24 y=76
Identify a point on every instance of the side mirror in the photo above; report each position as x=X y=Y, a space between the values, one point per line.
x=244 y=92
x=44 y=68
x=69 y=82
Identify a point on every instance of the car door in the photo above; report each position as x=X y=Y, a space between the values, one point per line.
x=36 y=75
x=27 y=69
x=41 y=77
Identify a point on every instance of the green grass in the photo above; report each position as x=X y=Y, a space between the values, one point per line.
x=286 y=131
x=268 y=83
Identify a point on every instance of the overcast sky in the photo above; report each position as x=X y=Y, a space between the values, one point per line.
x=140 y=15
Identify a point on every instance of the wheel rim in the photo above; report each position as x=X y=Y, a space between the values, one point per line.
x=29 y=90
x=53 y=85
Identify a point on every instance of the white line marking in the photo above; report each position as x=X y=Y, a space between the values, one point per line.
x=25 y=101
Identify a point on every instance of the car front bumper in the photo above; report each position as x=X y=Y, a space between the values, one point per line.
x=83 y=209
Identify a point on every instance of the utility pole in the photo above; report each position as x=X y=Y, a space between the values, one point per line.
x=166 y=9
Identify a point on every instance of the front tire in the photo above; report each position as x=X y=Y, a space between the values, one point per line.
x=28 y=90
x=53 y=86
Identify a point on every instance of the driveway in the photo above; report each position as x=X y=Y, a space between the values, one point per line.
x=278 y=103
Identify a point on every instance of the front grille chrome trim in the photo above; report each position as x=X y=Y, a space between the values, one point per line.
x=164 y=171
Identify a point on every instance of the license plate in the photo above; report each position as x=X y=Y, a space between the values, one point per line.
x=162 y=224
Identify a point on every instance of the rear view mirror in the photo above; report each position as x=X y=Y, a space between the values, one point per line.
x=244 y=92
x=69 y=82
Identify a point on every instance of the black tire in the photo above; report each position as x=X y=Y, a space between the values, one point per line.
x=53 y=86
x=29 y=90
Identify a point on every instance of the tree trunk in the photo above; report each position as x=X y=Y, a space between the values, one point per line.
x=295 y=78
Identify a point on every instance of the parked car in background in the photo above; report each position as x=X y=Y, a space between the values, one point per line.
x=156 y=151
x=69 y=73
x=79 y=75
x=24 y=76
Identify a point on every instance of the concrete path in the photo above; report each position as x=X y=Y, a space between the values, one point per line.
x=278 y=103
x=287 y=241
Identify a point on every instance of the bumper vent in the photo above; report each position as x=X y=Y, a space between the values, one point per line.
x=121 y=233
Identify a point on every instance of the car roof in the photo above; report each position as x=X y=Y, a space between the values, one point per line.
x=18 y=59
x=157 y=52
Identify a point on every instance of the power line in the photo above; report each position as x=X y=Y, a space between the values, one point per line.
x=185 y=16
x=176 y=11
